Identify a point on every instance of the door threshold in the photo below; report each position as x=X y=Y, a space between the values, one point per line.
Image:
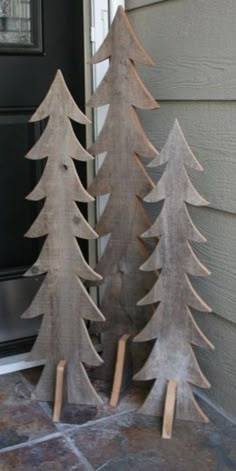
x=19 y=362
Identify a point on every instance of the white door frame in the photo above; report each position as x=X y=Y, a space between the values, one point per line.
x=102 y=14
x=113 y=7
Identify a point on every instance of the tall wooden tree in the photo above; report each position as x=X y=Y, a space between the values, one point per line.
x=172 y=324
x=62 y=297
x=123 y=176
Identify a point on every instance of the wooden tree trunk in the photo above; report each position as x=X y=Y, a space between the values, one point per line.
x=172 y=357
x=62 y=298
x=123 y=176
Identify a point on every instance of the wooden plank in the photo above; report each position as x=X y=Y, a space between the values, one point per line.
x=193 y=46
x=62 y=297
x=219 y=366
x=126 y=180
x=119 y=368
x=132 y=4
x=59 y=390
x=172 y=326
x=210 y=131
x=169 y=410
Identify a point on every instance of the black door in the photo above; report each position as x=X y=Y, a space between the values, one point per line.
x=36 y=38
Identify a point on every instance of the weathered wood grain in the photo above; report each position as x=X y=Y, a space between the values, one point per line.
x=172 y=324
x=220 y=366
x=210 y=130
x=192 y=43
x=123 y=176
x=62 y=297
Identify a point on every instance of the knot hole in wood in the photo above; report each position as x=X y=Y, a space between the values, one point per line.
x=76 y=219
x=64 y=167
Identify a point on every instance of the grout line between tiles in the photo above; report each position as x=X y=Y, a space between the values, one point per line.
x=36 y=441
x=78 y=453
x=24 y=381
x=103 y=466
x=46 y=409
x=69 y=428
x=82 y=459
x=215 y=407
x=201 y=395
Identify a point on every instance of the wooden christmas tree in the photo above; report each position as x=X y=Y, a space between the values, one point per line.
x=122 y=175
x=172 y=358
x=62 y=297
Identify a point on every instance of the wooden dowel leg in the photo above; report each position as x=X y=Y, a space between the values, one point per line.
x=169 y=410
x=59 y=390
x=119 y=368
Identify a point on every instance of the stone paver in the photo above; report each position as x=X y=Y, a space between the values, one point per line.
x=133 y=442
x=21 y=419
x=53 y=455
x=79 y=415
x=105 y=439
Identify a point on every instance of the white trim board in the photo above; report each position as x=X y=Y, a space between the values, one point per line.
x=113 y=7
x=102 y=14
x=15 y=363
x=100 y=20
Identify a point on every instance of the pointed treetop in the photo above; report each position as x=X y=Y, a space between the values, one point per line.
x=177 y=144
x=122 y=36
x=59 y=101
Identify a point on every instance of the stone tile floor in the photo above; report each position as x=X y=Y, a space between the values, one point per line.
x=104 y=439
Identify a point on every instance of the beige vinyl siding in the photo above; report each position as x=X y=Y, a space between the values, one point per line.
x=132 y=4
x=219 y=366
x=192 y=43
x=210 y=128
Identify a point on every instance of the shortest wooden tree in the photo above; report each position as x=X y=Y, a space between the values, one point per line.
x=172 y=362
x=62 y=298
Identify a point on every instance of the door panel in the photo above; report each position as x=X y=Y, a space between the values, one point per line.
x=24 y=80
x=18 y=176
